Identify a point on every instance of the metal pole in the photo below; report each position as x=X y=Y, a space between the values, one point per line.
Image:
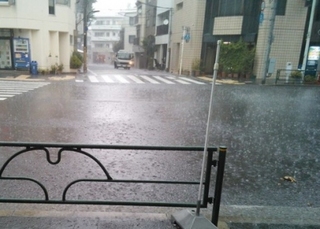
x=168 y=58
x=207 y=178
x=85 y=19
x=219 y=181
x=182 y=47
x=215 y=71
x=306 y=48
x=270 y=40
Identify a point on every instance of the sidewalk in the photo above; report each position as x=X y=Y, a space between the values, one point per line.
x=125 y=217
x=25 y=75
x=93 y=217
x=223 y=81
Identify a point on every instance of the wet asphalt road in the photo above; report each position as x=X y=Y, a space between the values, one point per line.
x=270 y=132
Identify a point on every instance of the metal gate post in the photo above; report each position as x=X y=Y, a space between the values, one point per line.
x=207 y=179
x=218 y=188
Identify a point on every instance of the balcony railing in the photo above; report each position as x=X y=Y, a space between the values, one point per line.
x=162 y=30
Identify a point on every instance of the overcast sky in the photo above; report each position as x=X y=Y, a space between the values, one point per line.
x=115 y=5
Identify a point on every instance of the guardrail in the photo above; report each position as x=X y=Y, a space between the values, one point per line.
x=79 y=148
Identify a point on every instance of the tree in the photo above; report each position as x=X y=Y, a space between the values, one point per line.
x=149 y=47
x=236 y=57
x=80 y=9
x=80 y=4
x=120 y=44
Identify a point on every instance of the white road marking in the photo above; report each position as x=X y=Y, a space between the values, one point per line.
x=107 y=79
x=163 y=80
x=93 y=79
x=191 y=80
x=10 y=89
x=93 y=73
x=177 y=79
x=149 y=79
x=121 y=79
x=10 y=93
x=2 y=95
x=135 y=79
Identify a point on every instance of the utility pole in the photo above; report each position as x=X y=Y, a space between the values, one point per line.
x=306 y=48
x=85 y=29
x=168 y=56
x=270 y=40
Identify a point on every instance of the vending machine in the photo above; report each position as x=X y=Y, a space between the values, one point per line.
x=21 y=55
x=312 y=61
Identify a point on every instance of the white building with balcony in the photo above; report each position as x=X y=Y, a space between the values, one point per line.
x=129 y=26
x=36 y=30
x=163 y=31
x=103 y=33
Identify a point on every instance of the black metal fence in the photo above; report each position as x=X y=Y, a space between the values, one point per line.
x=25 y=148
x=296 y=76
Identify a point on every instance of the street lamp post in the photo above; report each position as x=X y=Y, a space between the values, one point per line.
x=85 y=30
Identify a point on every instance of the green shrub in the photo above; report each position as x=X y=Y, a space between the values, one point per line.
x=75 y=62
x=53 y=69
x=196 y=65
x=296 y=74
x=79 y=55
x=310 y=79
x=60 y=67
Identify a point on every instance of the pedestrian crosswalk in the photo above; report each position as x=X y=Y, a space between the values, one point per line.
x=141 y=79
x=9 y=89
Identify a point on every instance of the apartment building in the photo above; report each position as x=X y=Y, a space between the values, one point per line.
x=103 y=33
x=129 y=28
x=187 y=33
x=163 y=32
x=145 y=32
x=36 y=30
x=232 y=20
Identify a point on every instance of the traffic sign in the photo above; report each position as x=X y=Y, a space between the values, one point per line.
x=187 y=37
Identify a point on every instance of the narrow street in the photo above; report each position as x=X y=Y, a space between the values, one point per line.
x=270 y=132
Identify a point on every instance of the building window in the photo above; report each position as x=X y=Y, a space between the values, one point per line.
x=108 y=22
x=98 y=45
x=281 y=7
x=114 y=34
x=63 y=2
x=132 y=21
x=51 y=6
x=108 y=34
x=131 y=39
x=99 y=22
x=179 y=6
x=98 y=34
x=148 y=22
x=230 y=7
x=4 y=2
x=71 y=39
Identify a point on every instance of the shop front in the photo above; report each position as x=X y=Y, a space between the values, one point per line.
x=5 y=54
